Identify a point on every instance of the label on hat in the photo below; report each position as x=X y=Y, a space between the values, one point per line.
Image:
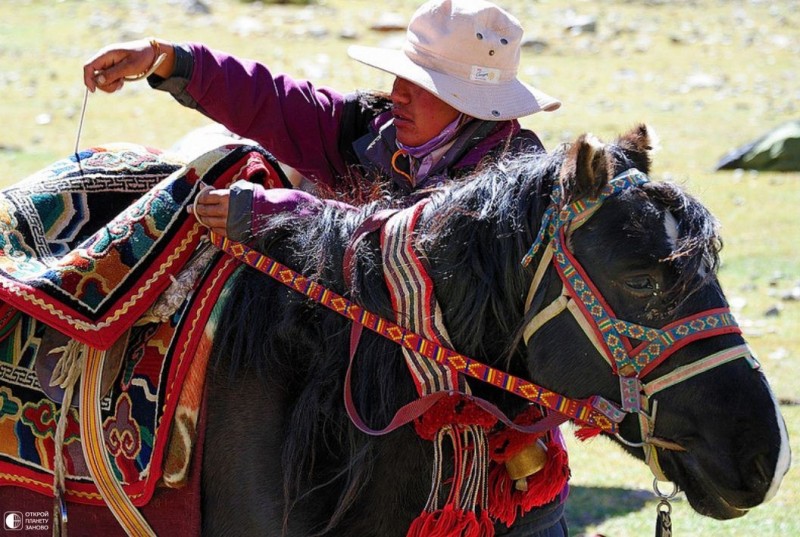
x=485 y=74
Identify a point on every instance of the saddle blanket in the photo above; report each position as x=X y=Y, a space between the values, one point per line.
x=99 y=249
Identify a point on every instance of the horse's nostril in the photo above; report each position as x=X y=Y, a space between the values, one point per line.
x=758 y=478
x=761 y=466
x=761 y=475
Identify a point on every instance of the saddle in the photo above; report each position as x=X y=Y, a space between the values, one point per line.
x=109 y=291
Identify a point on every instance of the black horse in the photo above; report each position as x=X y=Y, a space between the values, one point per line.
x=281 y=454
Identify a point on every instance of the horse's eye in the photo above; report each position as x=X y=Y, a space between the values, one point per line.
x=642 y=284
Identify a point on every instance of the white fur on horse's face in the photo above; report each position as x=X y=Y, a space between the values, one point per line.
x=671 y=228
x=785 y=454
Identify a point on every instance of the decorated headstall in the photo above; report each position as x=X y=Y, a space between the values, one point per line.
x=615 y=338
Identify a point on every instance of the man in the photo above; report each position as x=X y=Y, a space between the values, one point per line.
x=455 y=100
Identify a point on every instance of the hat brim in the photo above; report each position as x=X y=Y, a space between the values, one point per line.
x=495 y=102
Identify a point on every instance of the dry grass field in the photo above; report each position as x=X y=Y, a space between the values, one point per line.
x=707 y=75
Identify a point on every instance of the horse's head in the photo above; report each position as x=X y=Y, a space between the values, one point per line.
x=627 y=306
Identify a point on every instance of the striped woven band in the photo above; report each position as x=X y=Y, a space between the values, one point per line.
x=413 y=301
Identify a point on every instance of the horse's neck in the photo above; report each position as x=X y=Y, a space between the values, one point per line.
x=475 y=261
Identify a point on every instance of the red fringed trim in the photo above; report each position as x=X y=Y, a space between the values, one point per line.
x=451 y=522
x=452 y=410
x=415 y=529
x=507 y=442
x=506 y=502
x=586 y=432
x=486 y=524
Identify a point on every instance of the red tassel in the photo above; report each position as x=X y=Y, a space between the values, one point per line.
x=451 y=522
x=467 y=525
x=486 y=526
x=441 y=523
x=545 y=485
x=452 y=410
x=586 y=432
x=506 y=502
x=417 y=525
x=502 y=502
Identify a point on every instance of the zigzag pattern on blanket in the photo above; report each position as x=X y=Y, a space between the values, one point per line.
x=74 y=235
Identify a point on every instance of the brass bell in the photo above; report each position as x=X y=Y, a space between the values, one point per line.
x=527 y=462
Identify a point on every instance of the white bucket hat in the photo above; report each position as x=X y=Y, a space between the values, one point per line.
x=466 y=52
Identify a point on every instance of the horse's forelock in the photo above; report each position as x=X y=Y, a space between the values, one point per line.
x=696 y=248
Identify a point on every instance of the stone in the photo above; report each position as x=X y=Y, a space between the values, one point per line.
x=389 y=22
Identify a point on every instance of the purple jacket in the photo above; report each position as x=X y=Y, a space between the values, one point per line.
x=329 y=137
x=318 y=131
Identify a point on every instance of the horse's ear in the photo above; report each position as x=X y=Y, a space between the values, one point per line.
x=585 y=169
x=637 y=145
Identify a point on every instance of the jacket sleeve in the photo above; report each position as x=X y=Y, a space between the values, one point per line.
x=294 y=120
x=251 y=205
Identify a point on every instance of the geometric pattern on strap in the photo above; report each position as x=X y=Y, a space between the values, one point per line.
x=596 y=412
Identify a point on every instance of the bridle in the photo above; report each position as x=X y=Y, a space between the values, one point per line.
x=613 y=337
x=609 y=335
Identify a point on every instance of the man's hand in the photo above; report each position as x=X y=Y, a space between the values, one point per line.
x=107 y=69
x=211 y=209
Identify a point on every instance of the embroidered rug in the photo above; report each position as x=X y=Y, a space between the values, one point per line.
x=99 y=248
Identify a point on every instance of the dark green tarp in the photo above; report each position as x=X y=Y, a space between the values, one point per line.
x=777 y=150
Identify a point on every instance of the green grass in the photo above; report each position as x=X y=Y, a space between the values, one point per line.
x=612 y=495
x=634 y=69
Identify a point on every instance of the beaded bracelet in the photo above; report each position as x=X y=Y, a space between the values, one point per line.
x=158 y=59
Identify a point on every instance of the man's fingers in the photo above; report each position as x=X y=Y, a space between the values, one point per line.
x=211 y=209
x=113 y=77
x=214 y=196
x=209 y=219
x=213 y=203
x=111 y=88
x=213 y=222
x=105 y=70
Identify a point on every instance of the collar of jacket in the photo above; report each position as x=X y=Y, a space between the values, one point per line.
x=375 y=150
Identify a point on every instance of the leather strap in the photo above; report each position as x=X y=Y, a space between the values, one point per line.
x=370 y=225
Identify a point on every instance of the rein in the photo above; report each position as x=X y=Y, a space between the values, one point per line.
x=595 y=412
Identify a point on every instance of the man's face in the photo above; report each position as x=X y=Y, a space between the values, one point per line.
x=418 y=114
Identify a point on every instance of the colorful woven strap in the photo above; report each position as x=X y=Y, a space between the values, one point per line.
x=94 y=450
x=414 y=302
x=659 y=343
x=596 y=412
x=578 y=211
